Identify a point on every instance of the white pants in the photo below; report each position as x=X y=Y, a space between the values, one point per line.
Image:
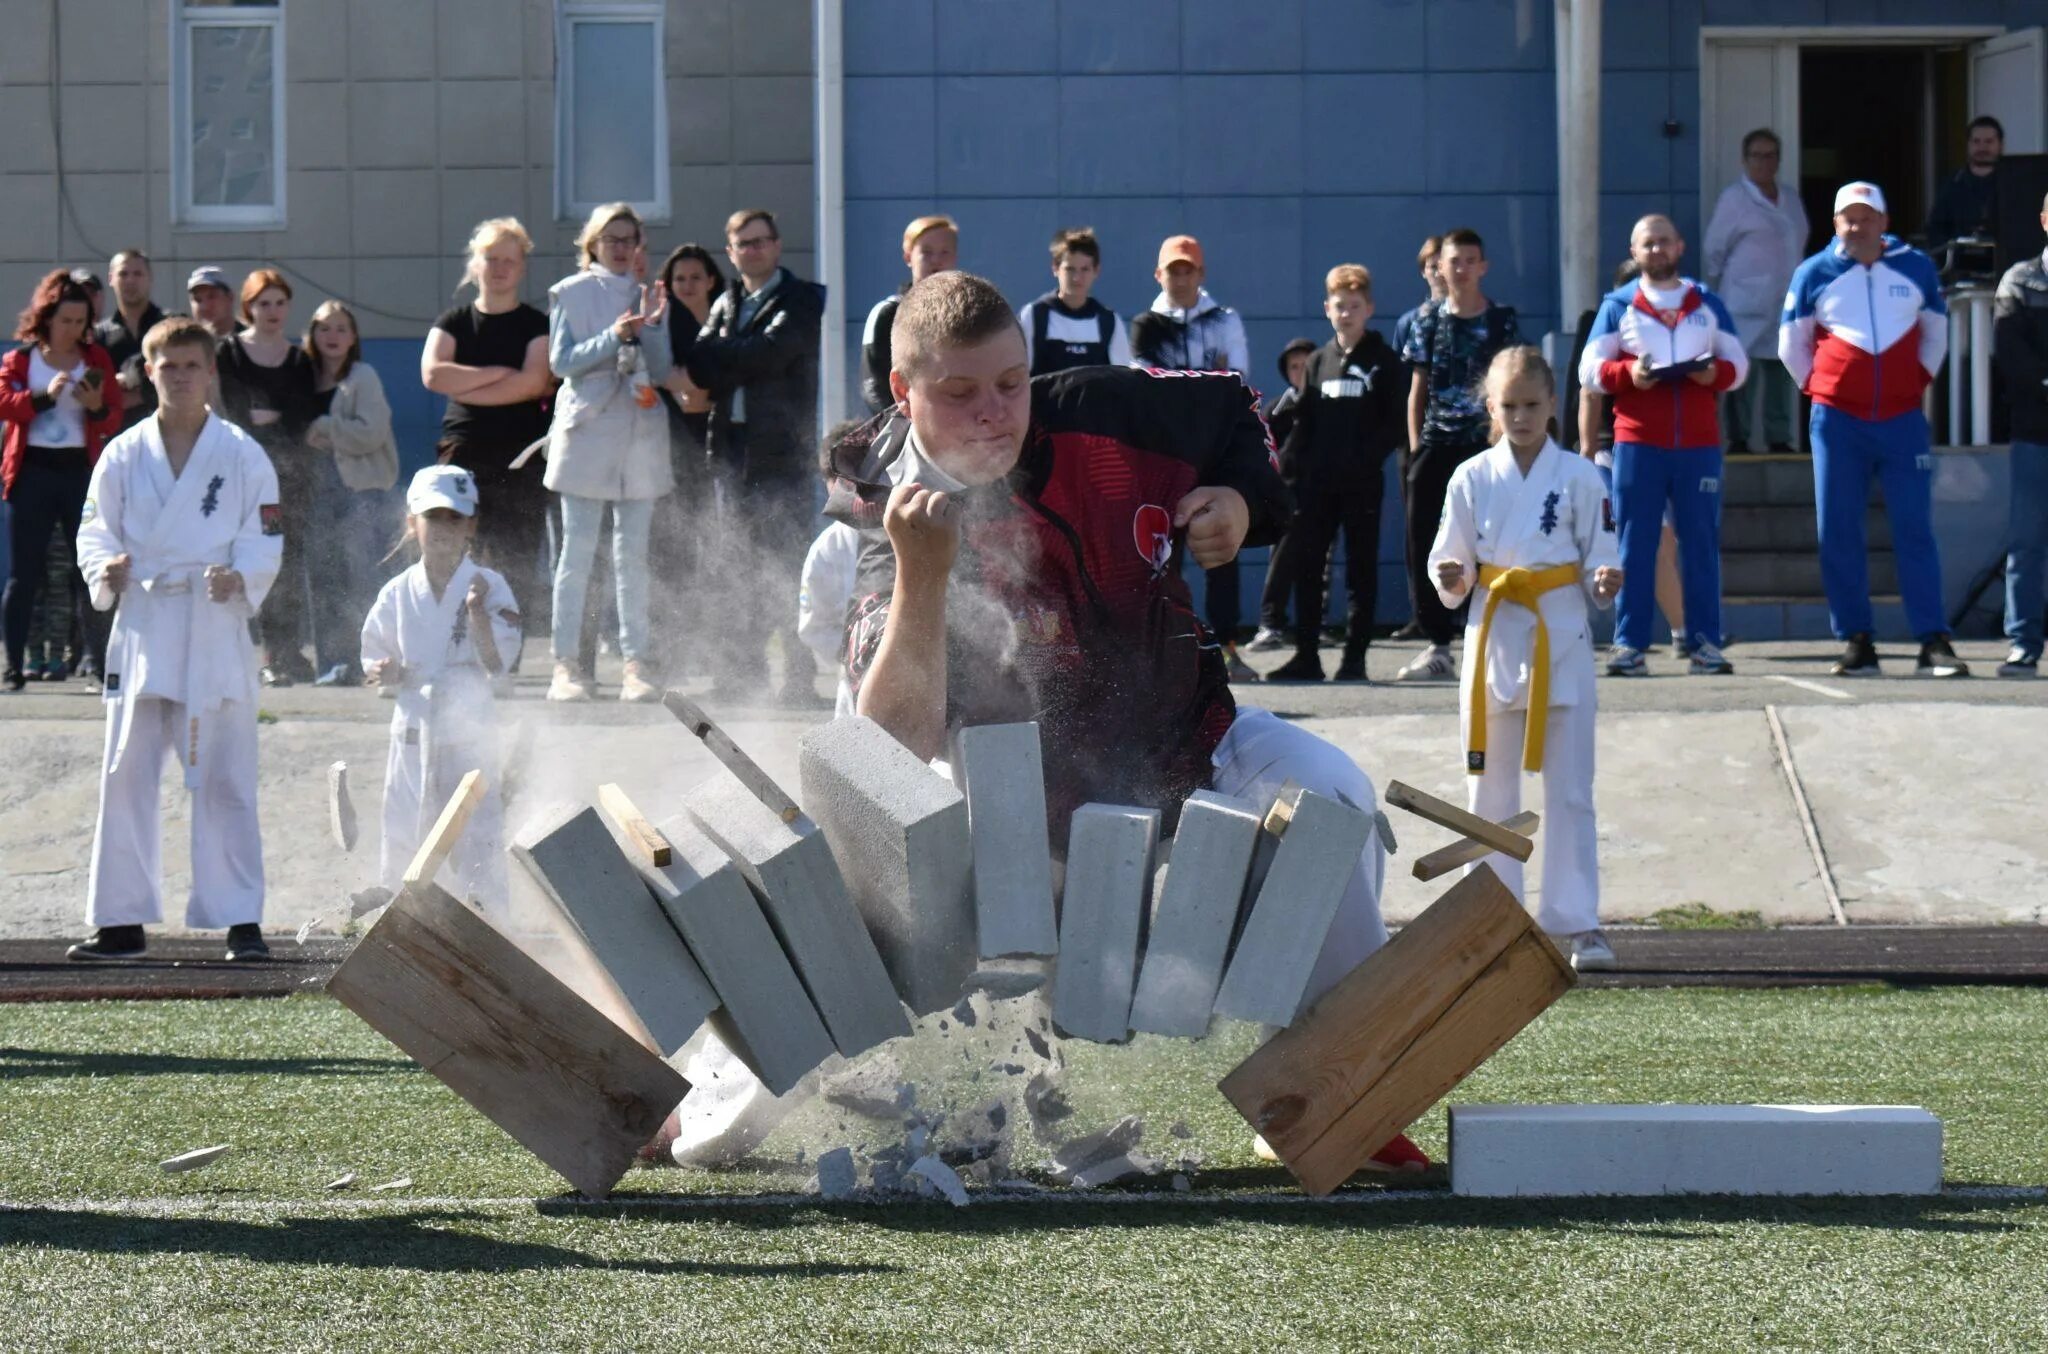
x=475 y=871
x=1261 y=753
x=126 y=883
x=1571 y=846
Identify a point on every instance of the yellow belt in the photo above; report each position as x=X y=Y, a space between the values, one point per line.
x=1523 y=587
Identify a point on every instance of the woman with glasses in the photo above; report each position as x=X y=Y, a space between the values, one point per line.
x=608 y=446
x=1756 y=238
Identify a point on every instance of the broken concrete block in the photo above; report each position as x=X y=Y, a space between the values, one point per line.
x=872 y=1088
x=571 y=854
x=1508 y=1151
x=836 y=1178
x=1077 y=1155
x=941 y=1177
x=789 y=867
x=1115 y=1168
x=764 y=1014
x=1196 y=911
x=899 y=832
x=1284 y=932
x=1109 y=875
x=1004 y=775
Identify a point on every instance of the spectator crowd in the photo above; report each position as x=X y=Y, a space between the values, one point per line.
x=643 y=455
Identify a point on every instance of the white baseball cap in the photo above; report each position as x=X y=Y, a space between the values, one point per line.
x=1868 y=194
x=442 y=486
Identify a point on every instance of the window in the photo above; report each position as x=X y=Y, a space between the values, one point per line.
x=227 y=113
x=611 y=107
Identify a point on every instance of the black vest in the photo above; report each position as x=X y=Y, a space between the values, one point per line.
x=1082 y=340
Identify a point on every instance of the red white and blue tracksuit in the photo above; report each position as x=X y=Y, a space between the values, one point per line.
x=1864 y=341
x=1667 y=446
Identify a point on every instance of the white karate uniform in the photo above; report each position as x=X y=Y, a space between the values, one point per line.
x=181 y=670
x=444 y=724
x=831 y=567
x=1558 y=514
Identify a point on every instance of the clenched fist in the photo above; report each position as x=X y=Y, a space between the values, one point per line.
x=924 y=527
x=1606 y=583
x=1216 y=519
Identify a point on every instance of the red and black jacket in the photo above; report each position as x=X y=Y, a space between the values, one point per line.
x=1063 y=607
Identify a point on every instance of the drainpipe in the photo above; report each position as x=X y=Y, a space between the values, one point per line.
x=829 y=158
x=1577 y=38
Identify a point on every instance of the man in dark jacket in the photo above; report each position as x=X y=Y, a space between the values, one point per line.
x=2020 y=339
x=1350 y=417
x=758 y=357
x=1019 y=535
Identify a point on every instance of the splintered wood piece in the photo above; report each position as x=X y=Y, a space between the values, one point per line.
x=1467 y=824
x=341 y=810
x=447 y=830
x=1445 y=859
x=193 y=1160
x=503 y=1033
x=1398 y=1032
x=1280 y=816
x=744 y=768
x=644 y=836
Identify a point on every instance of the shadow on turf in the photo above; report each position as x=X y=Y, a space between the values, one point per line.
x=16 y=1063
x=401 y=1242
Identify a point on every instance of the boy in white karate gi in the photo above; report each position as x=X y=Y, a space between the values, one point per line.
x=181 y=524
x=437 y=635
x=1529 y=524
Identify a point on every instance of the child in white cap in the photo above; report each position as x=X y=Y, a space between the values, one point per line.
x=438 y=634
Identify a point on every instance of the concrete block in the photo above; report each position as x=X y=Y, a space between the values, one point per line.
x=789 y=867
x=1505 y=1151
x=1109 y=875
x=1003 y=769
x=1291 y=915
x=898 y=830
x=1194 y=916
x=836 y=1176
x=764 y=1015
x=572 y=855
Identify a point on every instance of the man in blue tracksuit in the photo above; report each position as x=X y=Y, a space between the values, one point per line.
x=1864 y=331
x=1665 y=348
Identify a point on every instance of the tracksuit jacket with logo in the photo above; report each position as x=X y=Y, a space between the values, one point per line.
x=1673 y=414
x=1865 y=339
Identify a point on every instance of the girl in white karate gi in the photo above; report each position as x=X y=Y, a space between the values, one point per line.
x=437 y=635
x=1528 y=525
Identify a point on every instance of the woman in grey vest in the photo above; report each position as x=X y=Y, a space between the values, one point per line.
x=608 y=444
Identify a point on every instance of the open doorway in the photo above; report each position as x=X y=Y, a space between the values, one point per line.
x=1893 y=115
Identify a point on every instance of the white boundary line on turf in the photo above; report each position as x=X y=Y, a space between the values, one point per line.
x=1815 y=687
x=712 y=1203
x=1807 y=823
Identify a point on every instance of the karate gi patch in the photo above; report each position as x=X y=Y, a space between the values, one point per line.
x=1548 y=522
x=209 y=505
x=273 y=519
x=90 y=511
x=113 y=684
x=1475 y=762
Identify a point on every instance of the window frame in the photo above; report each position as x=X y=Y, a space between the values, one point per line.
x=187 y=19
x=568 y=15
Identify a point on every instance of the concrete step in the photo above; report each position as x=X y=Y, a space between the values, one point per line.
x=1754 y=480
x=1760 y=619
x=1789 y=526
x=1790 y=574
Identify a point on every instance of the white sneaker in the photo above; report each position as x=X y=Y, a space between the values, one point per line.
x=1708 y=661
x=1262 y=1149
x=1591 y=953
x=567 y=686
x=634 y=688
x=1431 y=665
x=1267 y=640
x=1623 y=661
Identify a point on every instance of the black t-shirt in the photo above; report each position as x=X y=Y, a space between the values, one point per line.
x=499 y=340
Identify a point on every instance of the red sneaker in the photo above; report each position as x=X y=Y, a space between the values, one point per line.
x=1400 y=1155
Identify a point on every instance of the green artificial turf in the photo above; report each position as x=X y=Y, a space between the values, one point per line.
x=99 y=1249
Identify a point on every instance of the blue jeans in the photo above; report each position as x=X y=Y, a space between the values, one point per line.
x=1847 y=451
x=1689 y=479
x=2028 y=551
x=582 y=525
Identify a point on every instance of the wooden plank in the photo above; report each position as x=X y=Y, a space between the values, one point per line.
x=496 y=1028
x=447 y=830
x=1446 y=814
x=1445 y=859
x=642 y=835
x=758 y=782
x=1515 y=989
x=1302 y=1080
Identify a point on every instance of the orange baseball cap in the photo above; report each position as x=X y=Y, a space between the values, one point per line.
x=1180 y=249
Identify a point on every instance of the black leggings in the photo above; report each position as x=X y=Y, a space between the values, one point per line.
x=49 y=493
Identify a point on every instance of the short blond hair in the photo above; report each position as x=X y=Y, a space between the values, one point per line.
x=486 y=234
x=1348 y=277
x=917 y=229
x=586 y=239
x=946 y=310
x=178 y=331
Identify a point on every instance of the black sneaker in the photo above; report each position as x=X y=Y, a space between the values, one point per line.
x=1859 y=659
x=13 y=680
x=2020 y=663
x=1938 y=659
x=1412 y=630
x=245 y=942
x=110 y=942
x=1303 y=667
x=1352 y=667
